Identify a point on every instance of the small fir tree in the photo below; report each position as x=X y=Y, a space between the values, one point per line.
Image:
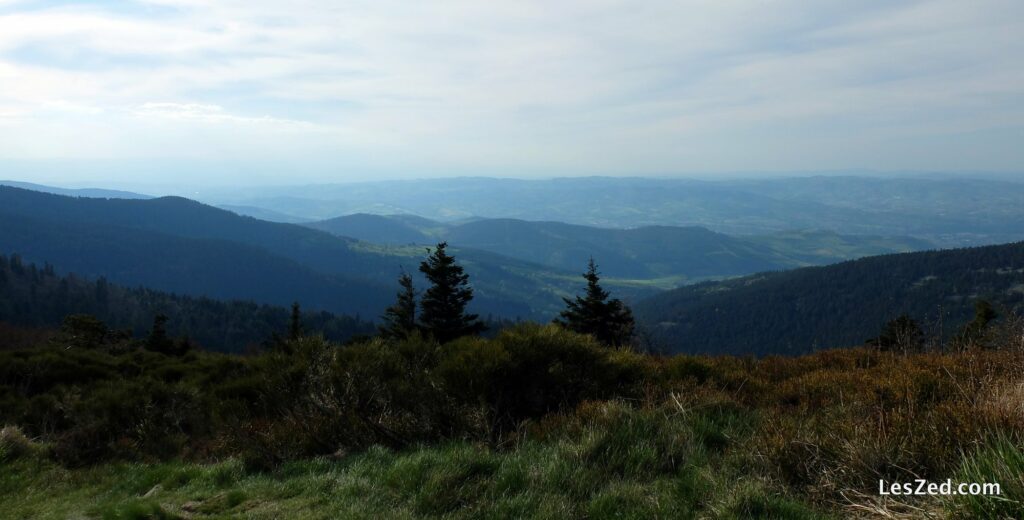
x=399 y=320
x=609 y=321
x=83 y=331
x=443 y=313
x=975 y=333
x=158 y=341
x=902 y=334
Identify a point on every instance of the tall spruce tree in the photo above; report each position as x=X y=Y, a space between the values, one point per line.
x=609 y=321
x=443 y=313
x=399 y=320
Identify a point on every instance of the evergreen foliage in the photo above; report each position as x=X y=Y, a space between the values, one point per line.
x=83 y=331
x=974 y=332
x=158 y=341
x=798 y=311
x=399 y=320
x=902 y=334
x=295 y=322
x=44 y=300
x=609 y=321
x=443 y=313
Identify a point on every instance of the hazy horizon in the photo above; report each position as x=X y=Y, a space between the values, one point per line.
x=178 y=91
x=160 y=185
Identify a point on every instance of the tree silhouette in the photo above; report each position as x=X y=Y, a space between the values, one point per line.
x=902 y=334
x=974 y=332
x=610 y=321
x=158 y=341
x=399 y=320
x=295 y=322
x=443 y=313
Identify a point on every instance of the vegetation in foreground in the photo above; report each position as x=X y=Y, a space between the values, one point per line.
x=538 y=421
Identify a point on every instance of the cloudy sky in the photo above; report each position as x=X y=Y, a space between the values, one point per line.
x=311 y=91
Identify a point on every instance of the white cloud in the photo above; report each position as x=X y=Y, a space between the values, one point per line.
x=210 y=114
x=554 y=87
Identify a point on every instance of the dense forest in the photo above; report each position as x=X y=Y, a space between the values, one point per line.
x=39 y=297
x=845 y=304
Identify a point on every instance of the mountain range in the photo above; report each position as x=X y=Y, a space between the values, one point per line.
x=180 y=245
x=947 y=211
x=756 y=294
x=664 y=256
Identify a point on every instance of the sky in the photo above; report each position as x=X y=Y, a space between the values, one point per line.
x=255 y=91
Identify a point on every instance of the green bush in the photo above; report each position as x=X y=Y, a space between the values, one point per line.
x=531 y=370
x=14 y=444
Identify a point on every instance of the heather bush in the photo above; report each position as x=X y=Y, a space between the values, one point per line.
x=14 y=444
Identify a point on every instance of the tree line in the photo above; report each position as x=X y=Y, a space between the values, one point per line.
x=97 y=312
x=441 y=312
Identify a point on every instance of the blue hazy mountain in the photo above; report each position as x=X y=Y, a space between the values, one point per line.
x=98 y=193
x=264 y=214
x=947 y=211
x=670 y=254
x=176 y=244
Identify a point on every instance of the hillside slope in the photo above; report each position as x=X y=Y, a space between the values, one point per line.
x=797 y=311
x=198 y=267
x=40 y=297
x=177 y=244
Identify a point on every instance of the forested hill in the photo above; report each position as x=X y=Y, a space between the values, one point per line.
x=199 y=267
x=797 y=311
x=180 y=245
x=39 y=297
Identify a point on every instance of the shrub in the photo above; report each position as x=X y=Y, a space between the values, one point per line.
x=531 y=370
x=14 y=444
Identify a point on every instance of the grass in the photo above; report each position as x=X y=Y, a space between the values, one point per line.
x=679 y=437
x=615 y=462
x=1002 y=462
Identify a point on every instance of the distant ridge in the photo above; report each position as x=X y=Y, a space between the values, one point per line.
x=95 y=193
x=264 y=214
x=670 y=254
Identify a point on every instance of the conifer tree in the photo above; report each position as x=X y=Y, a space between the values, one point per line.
x=609 y=321
x=399 y=320
x=443 y=313
x=974 y=333
x=295 y=323
x=157 y=341
x=902 y=334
